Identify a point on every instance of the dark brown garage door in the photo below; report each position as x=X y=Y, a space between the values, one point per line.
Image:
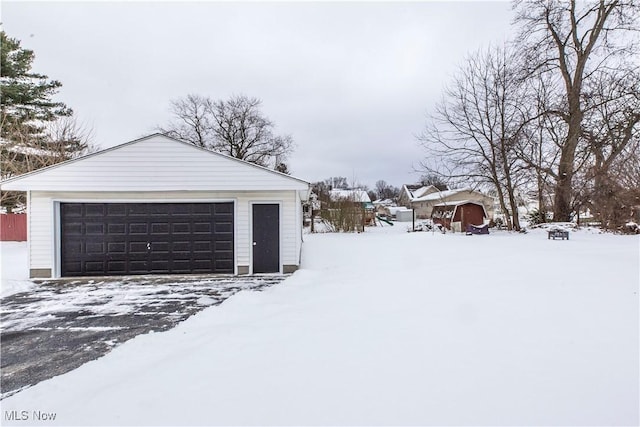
x=146 y=238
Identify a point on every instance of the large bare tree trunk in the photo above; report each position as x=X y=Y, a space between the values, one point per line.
x=561 y=37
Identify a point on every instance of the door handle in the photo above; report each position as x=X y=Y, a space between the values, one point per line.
x=254 y=243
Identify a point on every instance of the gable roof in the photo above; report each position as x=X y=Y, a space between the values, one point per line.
x=412 y=191
x=424 y=190
x=440 y=195
x=154 y=163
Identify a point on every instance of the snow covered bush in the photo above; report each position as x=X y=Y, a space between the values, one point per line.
x=536 y=217
x=344 y=215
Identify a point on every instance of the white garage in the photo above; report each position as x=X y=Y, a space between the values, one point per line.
x=158 y=205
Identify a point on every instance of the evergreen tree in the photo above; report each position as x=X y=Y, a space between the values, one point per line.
x=26 y=96
x=36 y=131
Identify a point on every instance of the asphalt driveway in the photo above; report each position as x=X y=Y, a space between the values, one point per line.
x=59 y=326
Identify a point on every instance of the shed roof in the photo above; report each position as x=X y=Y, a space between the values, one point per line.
x=454 y=205
x=458 y=203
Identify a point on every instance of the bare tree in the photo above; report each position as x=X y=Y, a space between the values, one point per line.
x=610 y=131
x=337 y=182
x=539 y=148
x=235 y=127
x=572 y=40
x=60 y=140
x=475 y=127
x=435 y=180
x=384 y=190
x=193 y=121
x=68 y=139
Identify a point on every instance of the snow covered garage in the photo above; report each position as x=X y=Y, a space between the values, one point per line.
x=158 y=205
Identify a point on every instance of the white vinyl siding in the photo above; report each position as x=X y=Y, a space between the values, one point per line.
x=156 y=163
x=299 y=226
x=43 y=233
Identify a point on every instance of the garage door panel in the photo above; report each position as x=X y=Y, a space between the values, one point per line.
x=137 y=209
x=159 y=248
x=161 y=228
x=116 y=210
x=73 y=210
x=180 y=228
x=138 y=248
x=146 y=238
x=73 y=247
x=72 y=266
x=95 y=247
x=94 y=228
x=223 y=246
x=116 y=248
x=94 y=267
x=137 y=266
x=204 y=210
x=94 y=210
x=139 y=228
x=181 y=266
x=116 y=229
x=181 y=209
x=224 y=227
x=73 y=228
x=202 y=246
x=202 y=227
x=118 y=267
x=224 y=264
x=160 y=265
x=224 y=208
x=178 y=247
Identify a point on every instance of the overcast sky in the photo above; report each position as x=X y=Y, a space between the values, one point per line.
x=351 y=82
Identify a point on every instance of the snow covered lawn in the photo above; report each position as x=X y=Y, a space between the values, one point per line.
x=14 y=268
x=388 y=328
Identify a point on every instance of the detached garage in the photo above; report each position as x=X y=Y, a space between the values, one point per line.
x=158 y=205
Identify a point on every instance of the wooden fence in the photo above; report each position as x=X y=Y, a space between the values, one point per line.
x=13 y=227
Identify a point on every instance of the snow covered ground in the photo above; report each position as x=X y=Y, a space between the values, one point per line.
x=387 y=328
x=14 y=269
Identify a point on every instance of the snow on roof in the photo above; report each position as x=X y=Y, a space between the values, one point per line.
x=439 y=195
x=355 y=195
x=394 y=209
x=458 y=203
x=424 y=190
x=384 y=202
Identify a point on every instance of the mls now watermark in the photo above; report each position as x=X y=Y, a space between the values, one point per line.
x=29 y=416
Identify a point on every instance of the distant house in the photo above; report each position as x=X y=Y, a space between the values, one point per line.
x=410 y=192
x=357 y=197
x=423 y=199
